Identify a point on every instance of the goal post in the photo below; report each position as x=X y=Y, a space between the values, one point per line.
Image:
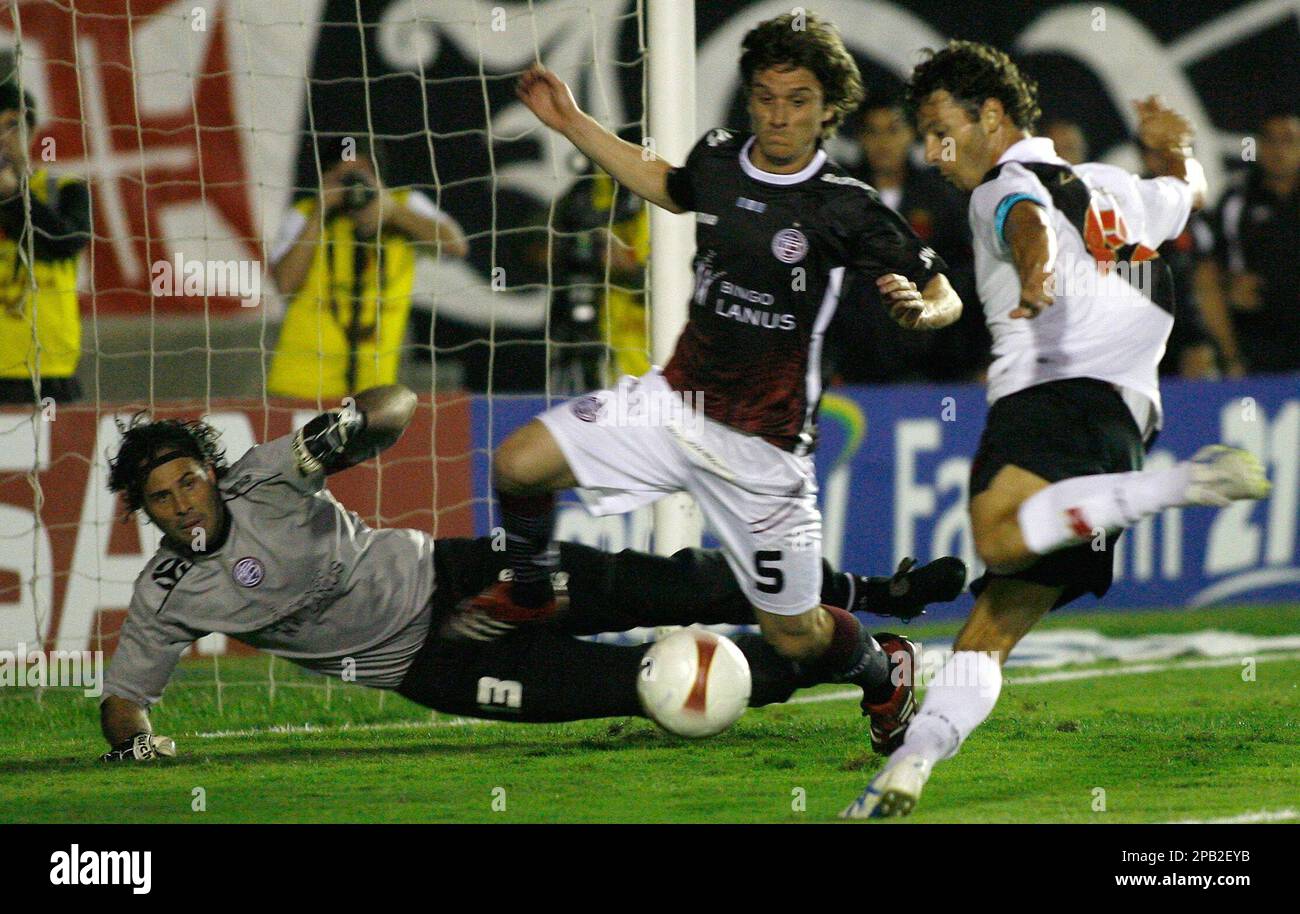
x=672 y=130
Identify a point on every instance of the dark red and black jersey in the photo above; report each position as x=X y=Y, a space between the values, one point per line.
x=771 y=253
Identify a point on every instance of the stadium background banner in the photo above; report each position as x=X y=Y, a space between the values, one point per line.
x=894 y=464
x=191 y=118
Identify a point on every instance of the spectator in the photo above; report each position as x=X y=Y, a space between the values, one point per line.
x=346 y=258
x=604 y=231
x=869 y=346
x=1251 y=289
x=1068 y=138
x=44 y=224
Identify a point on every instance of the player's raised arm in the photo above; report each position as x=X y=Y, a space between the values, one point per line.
x=370 y=422
x=1167 y=136
x=1032 y=241
x=548 y=96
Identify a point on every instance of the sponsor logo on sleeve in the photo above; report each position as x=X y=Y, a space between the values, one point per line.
x=170 y=571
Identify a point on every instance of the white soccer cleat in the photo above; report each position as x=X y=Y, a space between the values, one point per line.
x=1222 y=475
x=893 y=792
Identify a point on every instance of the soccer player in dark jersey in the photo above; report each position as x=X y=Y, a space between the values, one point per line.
x=262 y=552
x=732 y=418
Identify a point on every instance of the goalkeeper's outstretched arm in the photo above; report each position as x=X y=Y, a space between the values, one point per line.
x=130 y=736
x=548 y=96
x=121 y=719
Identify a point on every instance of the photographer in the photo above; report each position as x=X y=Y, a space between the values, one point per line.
x=44 y=225
x=345 y=257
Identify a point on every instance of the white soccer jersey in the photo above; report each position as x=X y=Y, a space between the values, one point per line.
x=1100 y=325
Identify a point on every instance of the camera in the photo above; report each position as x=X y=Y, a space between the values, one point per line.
x=358 y=191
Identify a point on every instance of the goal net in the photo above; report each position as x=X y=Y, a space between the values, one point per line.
x=196 y=127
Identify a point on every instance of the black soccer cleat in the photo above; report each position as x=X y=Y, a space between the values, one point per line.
x=906 y=594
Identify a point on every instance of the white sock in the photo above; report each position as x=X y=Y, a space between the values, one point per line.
x=1073 y=510
x=962 y=694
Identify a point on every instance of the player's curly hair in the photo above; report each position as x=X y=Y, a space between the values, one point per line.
x=972 y=72
x=143 y=440
x=817 y=46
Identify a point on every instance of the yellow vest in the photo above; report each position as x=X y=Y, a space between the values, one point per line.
x=44 y=296
x=624 y=317
x=342 y=327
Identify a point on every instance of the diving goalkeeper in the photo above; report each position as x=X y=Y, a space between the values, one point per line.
x=262 y=552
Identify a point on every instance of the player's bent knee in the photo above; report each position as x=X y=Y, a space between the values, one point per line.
x=794 y=637
x=527 y=462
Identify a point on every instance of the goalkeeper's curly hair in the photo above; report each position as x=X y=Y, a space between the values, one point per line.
x=144 y=440
x=791 y=41
x=971 y=72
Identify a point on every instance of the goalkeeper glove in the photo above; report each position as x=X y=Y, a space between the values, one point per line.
x=322 y=445
x=142 y=747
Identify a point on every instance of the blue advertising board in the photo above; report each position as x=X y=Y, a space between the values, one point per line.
x=893 y=467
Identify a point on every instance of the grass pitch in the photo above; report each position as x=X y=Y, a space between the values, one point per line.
x=1170 y=741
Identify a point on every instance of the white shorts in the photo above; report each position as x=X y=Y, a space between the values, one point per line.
x=632 y=445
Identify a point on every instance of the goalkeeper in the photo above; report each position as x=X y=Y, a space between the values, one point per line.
x=262 y=552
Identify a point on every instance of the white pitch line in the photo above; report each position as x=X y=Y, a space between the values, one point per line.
x=1133 y=669
x=345 y=728
x=1245 y=818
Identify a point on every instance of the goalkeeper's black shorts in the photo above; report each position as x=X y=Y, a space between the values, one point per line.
x=1059 y=430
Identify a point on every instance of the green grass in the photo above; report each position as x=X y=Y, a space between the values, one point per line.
x=1167 y=745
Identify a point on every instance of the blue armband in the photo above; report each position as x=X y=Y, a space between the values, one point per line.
x=1004 y=209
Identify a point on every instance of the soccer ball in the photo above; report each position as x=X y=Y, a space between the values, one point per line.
x=694 y=683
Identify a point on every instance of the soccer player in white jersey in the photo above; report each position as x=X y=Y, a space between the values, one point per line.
x=1079 y=310
x=732 y=417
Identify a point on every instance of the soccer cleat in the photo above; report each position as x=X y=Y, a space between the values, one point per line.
x=889 y=718
x=906 y=594
x=1221 y=475
x=492 y=613
x=893 y=792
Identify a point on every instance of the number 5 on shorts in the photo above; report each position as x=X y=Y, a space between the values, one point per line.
x=770 y=580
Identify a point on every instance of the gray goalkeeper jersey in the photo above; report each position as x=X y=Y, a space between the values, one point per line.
x=298 y=576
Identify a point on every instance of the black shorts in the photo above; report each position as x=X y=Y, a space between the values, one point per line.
x=1059 y=430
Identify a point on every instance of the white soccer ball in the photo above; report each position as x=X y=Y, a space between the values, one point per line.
x=694 y=683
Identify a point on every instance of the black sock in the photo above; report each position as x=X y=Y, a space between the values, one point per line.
x=528 y=521
x=837 y=587
x=852 y=656
x=773 y=677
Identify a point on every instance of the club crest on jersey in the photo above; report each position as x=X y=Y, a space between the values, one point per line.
x=789 y=246
x=249 y=572
x=588 y=408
